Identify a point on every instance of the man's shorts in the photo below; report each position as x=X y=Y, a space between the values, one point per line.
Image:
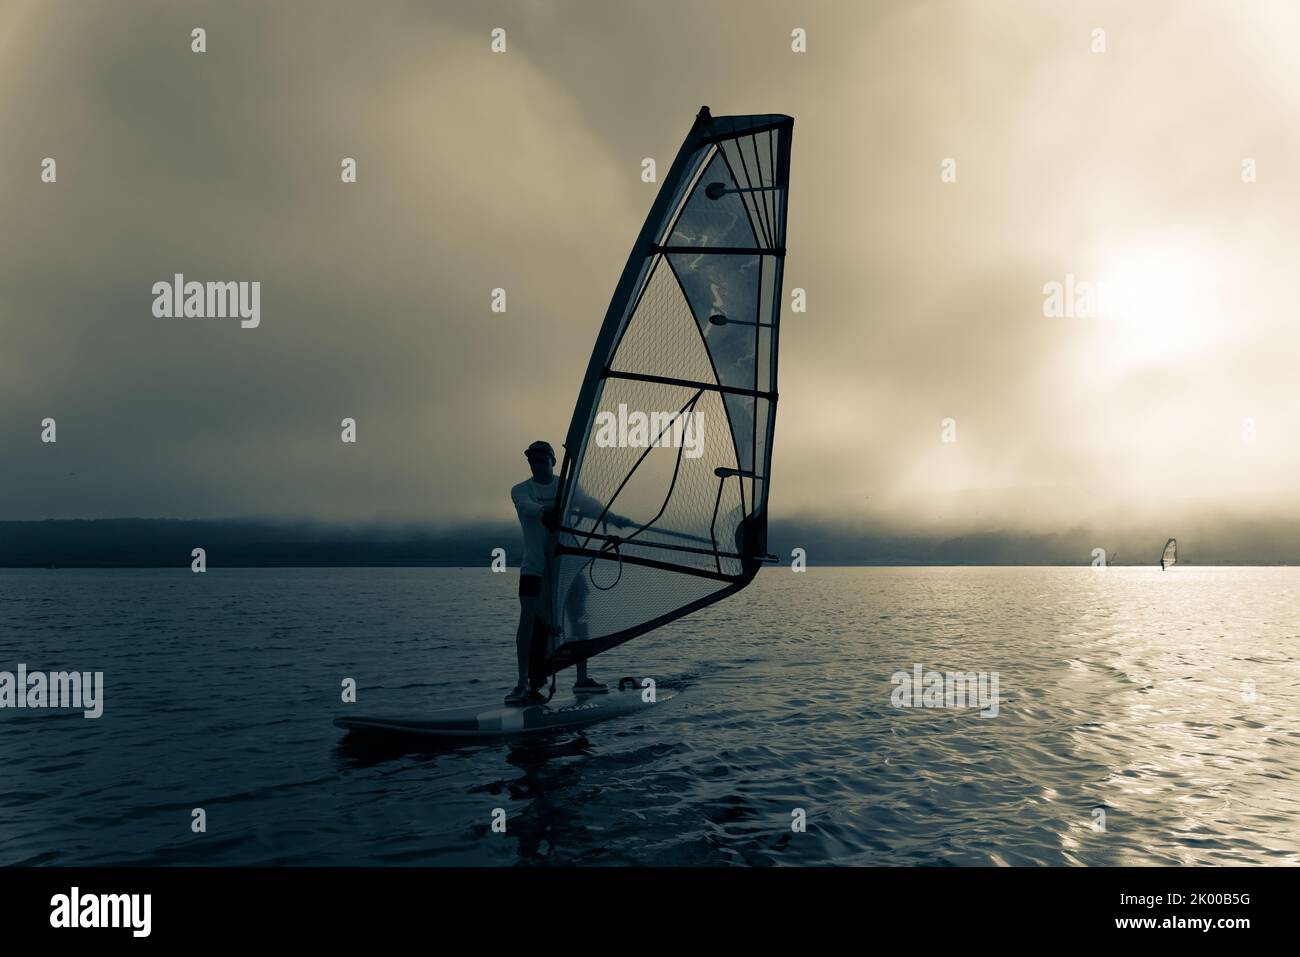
x=530 y=586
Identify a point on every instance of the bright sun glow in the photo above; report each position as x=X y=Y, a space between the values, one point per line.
x=1164 y=301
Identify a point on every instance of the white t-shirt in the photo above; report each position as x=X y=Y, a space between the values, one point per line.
x=530 y=500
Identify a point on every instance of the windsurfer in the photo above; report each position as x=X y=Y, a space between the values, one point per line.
x=534 y=501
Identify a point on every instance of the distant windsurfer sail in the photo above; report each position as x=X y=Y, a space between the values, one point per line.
x=672 y=431
x=1170 y=556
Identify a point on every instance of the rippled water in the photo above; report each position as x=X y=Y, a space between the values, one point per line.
x=1168 y=701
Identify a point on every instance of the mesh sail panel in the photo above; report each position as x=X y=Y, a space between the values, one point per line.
x=668 y=458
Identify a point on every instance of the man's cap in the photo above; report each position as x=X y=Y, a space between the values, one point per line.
x=540 y=446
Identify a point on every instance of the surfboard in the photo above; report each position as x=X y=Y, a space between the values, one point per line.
x=496 y=720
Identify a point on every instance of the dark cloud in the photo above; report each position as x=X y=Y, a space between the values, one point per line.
x=521 y=171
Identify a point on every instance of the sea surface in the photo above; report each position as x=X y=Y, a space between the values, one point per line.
x=1143 y=718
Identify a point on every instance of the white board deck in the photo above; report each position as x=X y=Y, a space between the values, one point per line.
x=496 y=720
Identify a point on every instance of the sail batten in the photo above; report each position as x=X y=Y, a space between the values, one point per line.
x=662 y=503
x=688 y=383
x=725 y=250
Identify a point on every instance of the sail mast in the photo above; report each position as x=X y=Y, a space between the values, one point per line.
x=627 y=283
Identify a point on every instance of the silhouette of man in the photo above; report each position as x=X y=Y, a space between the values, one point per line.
x=535 y=504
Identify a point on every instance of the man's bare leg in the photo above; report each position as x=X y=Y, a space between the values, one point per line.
x=576 y=604
x=524 y=636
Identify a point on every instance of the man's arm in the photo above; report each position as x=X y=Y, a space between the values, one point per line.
x=588 y=506
x=525 y=504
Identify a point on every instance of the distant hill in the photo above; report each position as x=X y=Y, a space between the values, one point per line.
x=160 y=543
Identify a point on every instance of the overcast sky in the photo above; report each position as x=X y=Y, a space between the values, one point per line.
x=522 y=170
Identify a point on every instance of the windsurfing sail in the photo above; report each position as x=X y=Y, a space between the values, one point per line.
x=667 y=463
x=1170 y=556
